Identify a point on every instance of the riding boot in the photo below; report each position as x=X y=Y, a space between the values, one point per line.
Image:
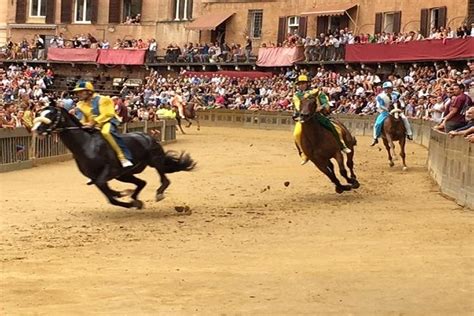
x=304 y=158
x=375 y=142
x=126 y=163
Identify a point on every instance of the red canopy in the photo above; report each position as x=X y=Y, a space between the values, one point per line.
x=122 y=56
x=459 y=48
x=279 y=56
x=73 y=54
x=232 y=74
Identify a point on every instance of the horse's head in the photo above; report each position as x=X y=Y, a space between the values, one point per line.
x=48 y=120
x=395 y=110
x=307 y=108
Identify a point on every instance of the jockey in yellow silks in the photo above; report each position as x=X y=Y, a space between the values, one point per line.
x=98 y=110
x=322 y=102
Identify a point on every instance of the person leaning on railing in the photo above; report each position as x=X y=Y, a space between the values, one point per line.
x=468 y=129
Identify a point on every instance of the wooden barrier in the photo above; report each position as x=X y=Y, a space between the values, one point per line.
x=19 y=149
x=450 y=161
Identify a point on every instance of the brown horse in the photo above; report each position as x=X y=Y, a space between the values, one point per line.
x=189 y=114
x=320 y=146
x=394 y=130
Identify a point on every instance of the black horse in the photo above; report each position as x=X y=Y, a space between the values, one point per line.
x=97 y=161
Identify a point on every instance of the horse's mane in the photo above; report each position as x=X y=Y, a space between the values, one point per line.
x=73 y=118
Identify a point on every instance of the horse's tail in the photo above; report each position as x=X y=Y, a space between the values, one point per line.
x=175 y=162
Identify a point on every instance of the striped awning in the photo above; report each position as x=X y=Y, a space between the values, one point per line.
x=28 y=26
x=209 y=22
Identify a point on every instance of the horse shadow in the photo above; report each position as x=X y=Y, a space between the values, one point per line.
x=121 y=215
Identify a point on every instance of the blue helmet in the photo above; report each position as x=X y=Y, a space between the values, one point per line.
x=387 y=84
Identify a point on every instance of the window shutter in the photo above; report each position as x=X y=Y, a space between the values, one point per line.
x=442 y=17
x=378 y=22
x=50 y=11
x=397 y=22
x=322 y=25
x=20 y=16
x=66 y=11
x=94 y=11
x=190 y=9
x=114 y=11
x=173 y=9
x=303 y=27
x=424 y=22
x=281 y=29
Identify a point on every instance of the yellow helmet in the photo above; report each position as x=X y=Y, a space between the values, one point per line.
x=302 y=78
x=84 y=85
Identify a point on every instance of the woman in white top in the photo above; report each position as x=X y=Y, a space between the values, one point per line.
x=437 y=110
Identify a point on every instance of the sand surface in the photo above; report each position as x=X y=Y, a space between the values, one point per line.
x=250 y=246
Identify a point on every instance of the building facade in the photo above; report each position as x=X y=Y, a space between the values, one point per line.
x=264 y=21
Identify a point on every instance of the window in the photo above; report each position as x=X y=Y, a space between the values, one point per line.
x=131 y=8
x=183 y=10
x=388 y=22
x=435 y=18
x=83 y=11
x=293 y=24
x=255 y=23
x=37 y=8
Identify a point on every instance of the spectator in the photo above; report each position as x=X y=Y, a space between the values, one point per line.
x=467 y=129
x=454 y=114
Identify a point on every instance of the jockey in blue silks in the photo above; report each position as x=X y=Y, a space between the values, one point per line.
x=384 y=100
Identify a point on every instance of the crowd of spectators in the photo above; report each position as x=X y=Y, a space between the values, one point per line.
x=427 y=92
x=330 y=45
x=22 y=92
x=209 y=52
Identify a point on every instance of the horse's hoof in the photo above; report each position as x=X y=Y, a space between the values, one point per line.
x=137 y=204
x=355 y=184
x=405 y=168
x=339 y=190
x=159 y=197
x=391 y=164
x=346 y=187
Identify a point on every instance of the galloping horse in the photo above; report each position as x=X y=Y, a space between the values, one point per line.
x=394 y=130
x=97 y=161
x=320 y=146
x=189 y=114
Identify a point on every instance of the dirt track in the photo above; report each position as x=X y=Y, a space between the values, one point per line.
x=250 y=246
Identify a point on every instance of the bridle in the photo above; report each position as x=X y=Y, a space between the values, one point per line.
x=53 y=125
x=303 y=118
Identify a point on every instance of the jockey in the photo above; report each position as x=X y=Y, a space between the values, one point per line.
x=322 y=103
x=178 y=102
x=384 y=100
x=99 y=110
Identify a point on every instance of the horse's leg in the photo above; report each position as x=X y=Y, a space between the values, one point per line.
x=342 y=168
x=132 y=179
x=326 y=167
x=104 y=188
x=189 y=122
x=165 y=182
x=387 y=147
x=198 y=124
x=350 y=164
x=178 y=120
x=402 y=153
